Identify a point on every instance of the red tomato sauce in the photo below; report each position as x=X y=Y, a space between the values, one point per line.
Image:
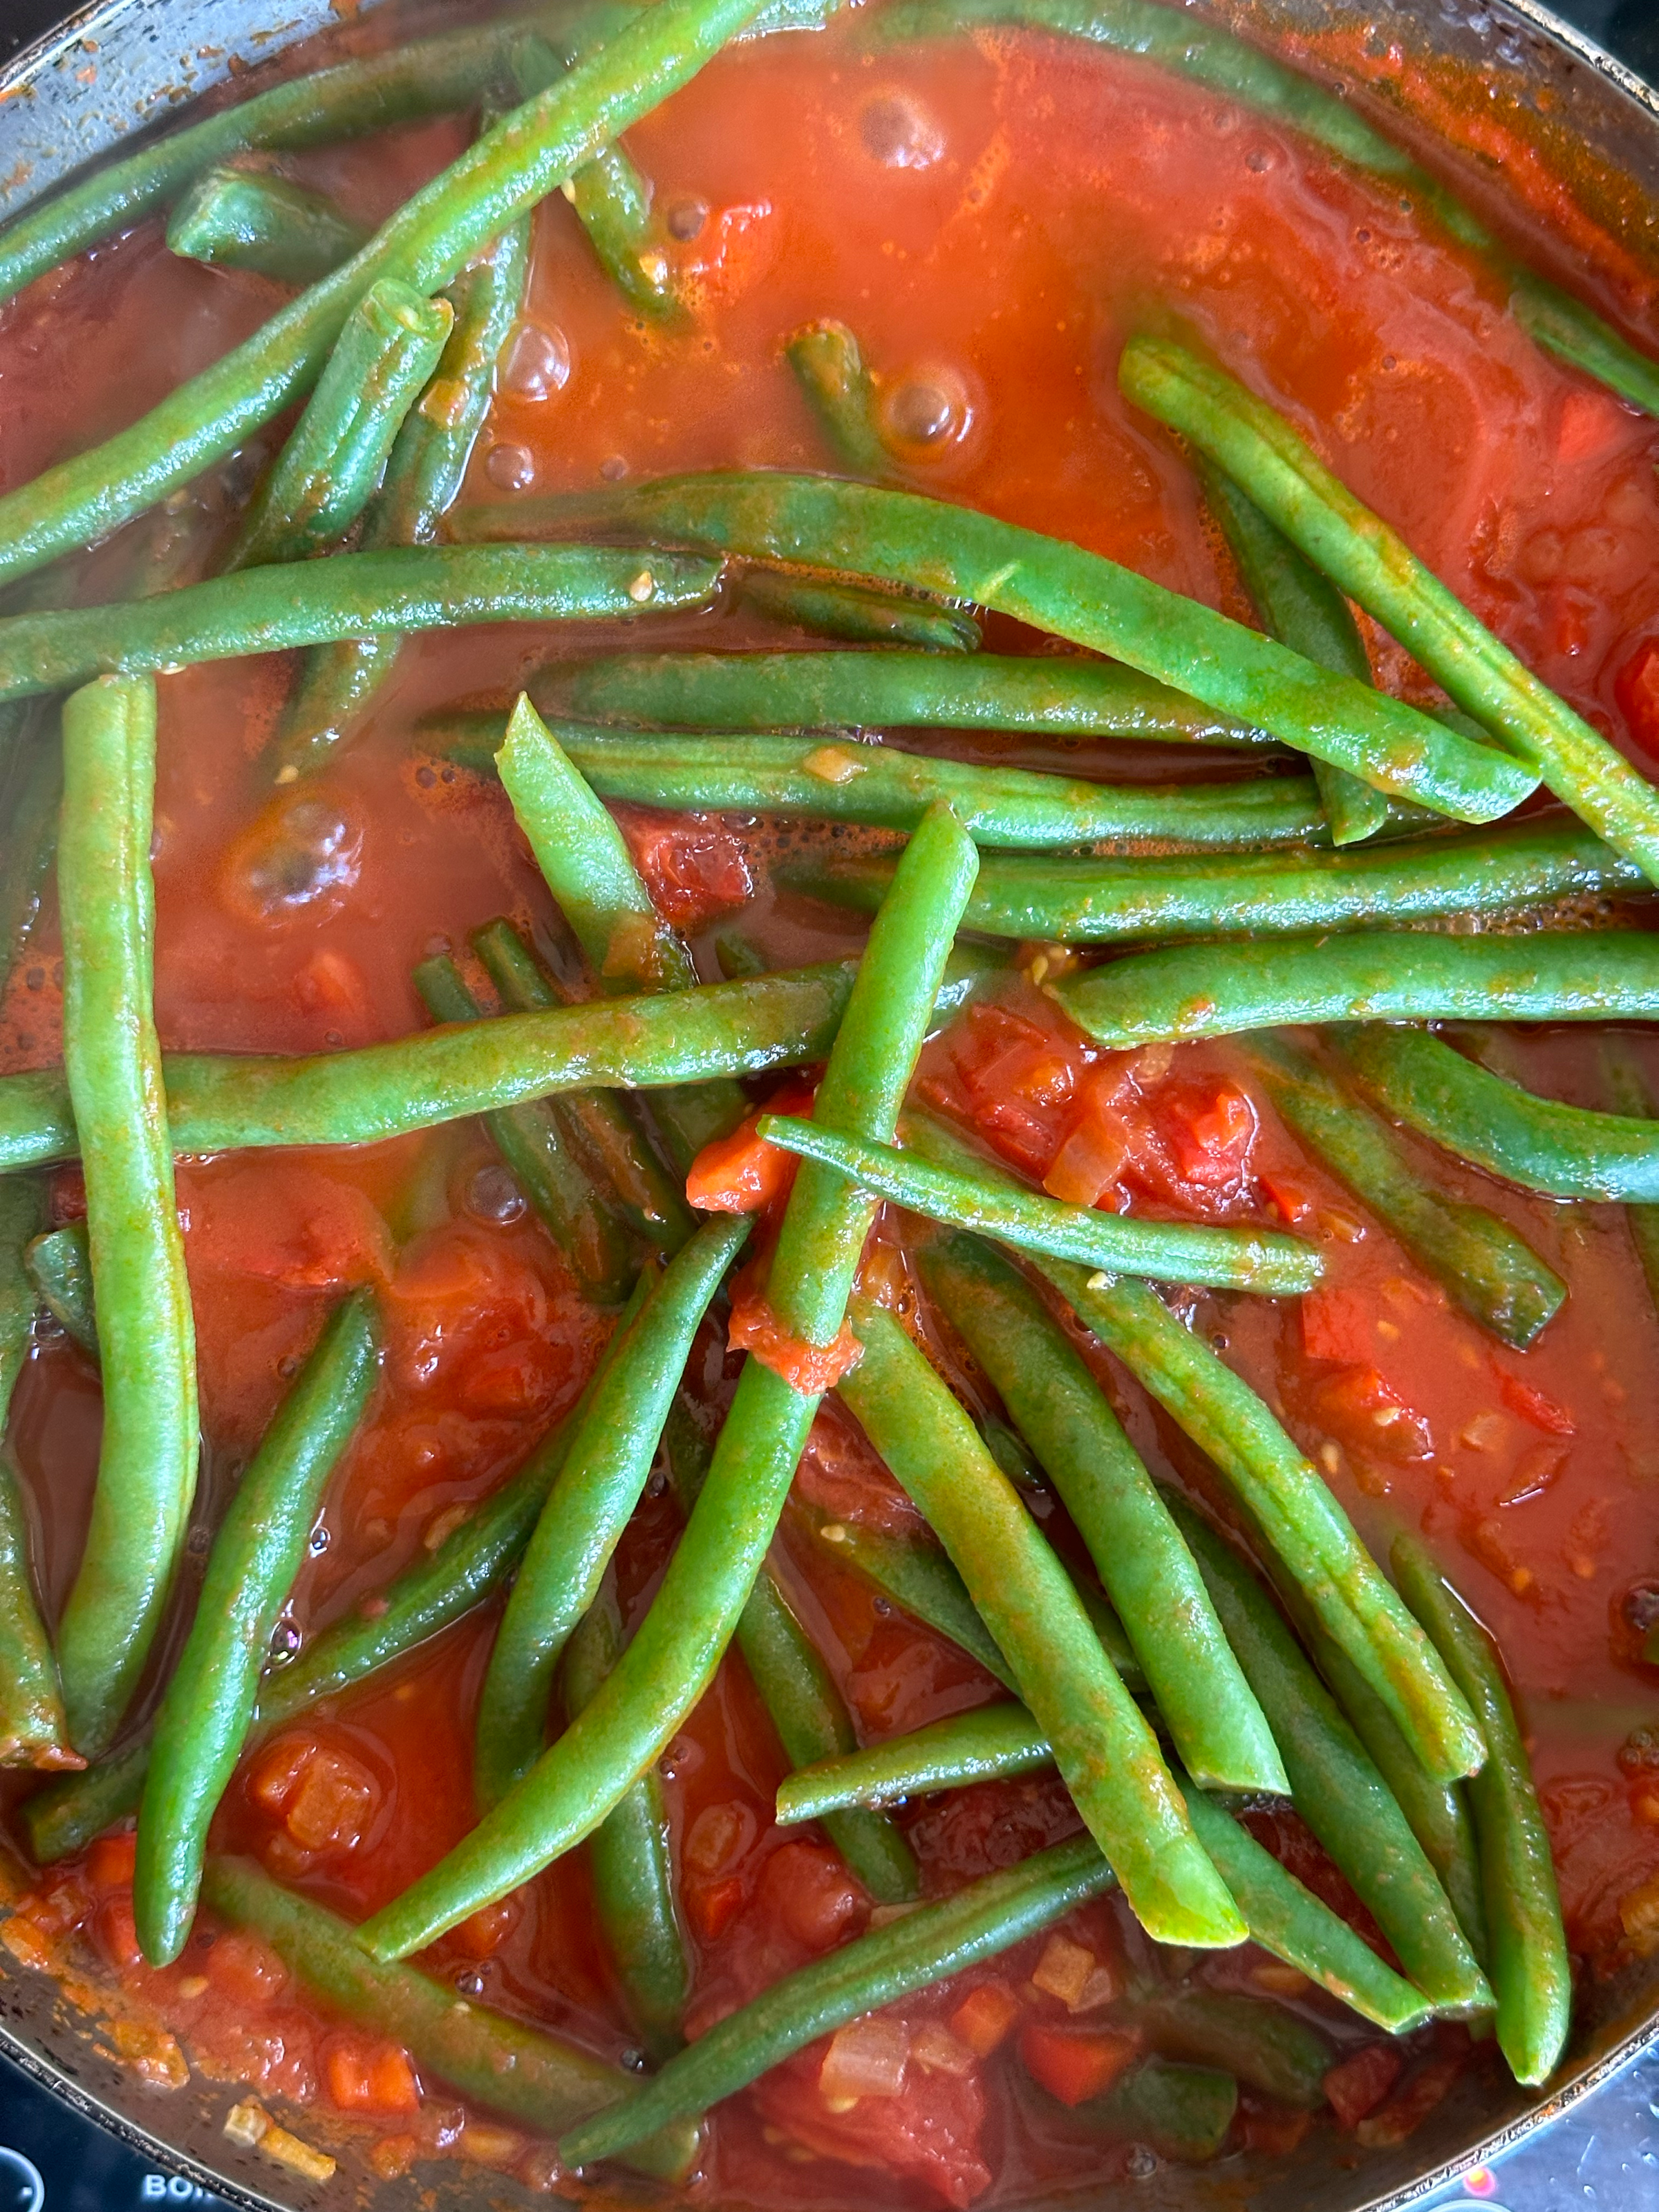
x=993 y=217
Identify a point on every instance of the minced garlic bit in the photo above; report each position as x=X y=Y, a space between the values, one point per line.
x=245 y=2124
x=250 y=2125
x=832 y=764
x=1064 y=1970
x=642 y=587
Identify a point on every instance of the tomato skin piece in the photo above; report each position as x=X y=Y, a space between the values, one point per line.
x=985 y=2016
x=1533 y=1406
x=1636 y=688
x=1075 y=2066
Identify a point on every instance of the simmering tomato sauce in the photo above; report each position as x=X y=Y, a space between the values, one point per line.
x=992 y=215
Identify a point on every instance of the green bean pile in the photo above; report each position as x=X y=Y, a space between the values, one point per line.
x=1170 y=1627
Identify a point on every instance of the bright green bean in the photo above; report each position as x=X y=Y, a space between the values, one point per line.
x=829 y=368
x=112 y=1066
x=1530 y=1969
x=60 y=1265
x=1217 y=990
x=1632 y=1096
x=31 y=792
x=1260 y=2044
x=1181 y=2113
x=1374 y=565
x=673 y=1656
x=209 y=1703
x=901 y=538
x=1106 y=1752
x=987 y=1916
x=253 y=218
x=853 y=613
x=537 y=2078
x=613 y=204
x=1171 y=1252
x=32 y=1728
x=1473 y=1255
x=604 y=1471
x=1146 y=1569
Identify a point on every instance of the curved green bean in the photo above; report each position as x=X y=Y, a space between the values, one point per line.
x=1474 y=1255
x=252 y=219
x=112 y=1066
x=853 y=613
x=1217 y=990
x=32 y=1728
x=831 y=370
x=1181 y=2113
x=1106 y=1752
x=1632 y=1096
x=539 y=2079
x=1260 y=2044
x=987 y=1916
x=605 y=1471
x=1577 y=335
x=1374 y=565
x=959 y=554
x=1530 y=1969
x=1145 y=1568
x=1571 y=1152
x=674 y=1654
x=59 y=1267
x=209 y=1701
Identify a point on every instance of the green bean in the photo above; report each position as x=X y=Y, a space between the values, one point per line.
x=422 y=477
x=1146 y=1569
x=146 y=1457
x=537 y=2078
x=250 y=219
x=1336 y=1788
x=31 y=792
x=32 y=1728
x=853 y=613
x=1181 y=2113
x=829 y=368
x=426 y=244
x=630 y=1857
x=613 y=204
x=985 y=1918
x=598 y=1123
x=1375 y=566
x=1576 y=334
x=675 y=1652
x=796 y=1687
x=604 y=1473
x=901 y=538
x=1571 y=1152
x=59 y=1266
x=585 y=860
x=1247 y=1260
x=1531 y=1971
x=1008 y=1447
x=1263 y=2045
x=1474 y=1255
x=783 y=1019
x=1073 y=697
x=1217 y=990
x=1632 y=1096
x=584 y=1227
x=1107 y=1754
x=914 y=1572
x=209 y=1703
x=993 y=1743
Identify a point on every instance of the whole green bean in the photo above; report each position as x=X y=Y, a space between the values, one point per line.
x=1217 y=990
x=32 y=1728
x=1474 y=1255
x=1336 y=1788
x=1374 y=565
x=1571 y=1152
x=537 y=2078
x=112 y=1066
x=1146 y=1569
x=31 y=792
x=1106 y=1752
x=1630 y=1096
x=1263 y=2045
x=1171 y=1252
x=605 y=1471
x=853 y=613
x=630 y=1857
x=209 y=1702
x=829 y=368
x=1074 y=697
x=675 y=1652
x=901 y=538
x=422 y=477
x=987 y=1916
x=59 y=1267
x=1577 y=335
x=584 y=1228
x=252 y=219
x=1181 y=2113
x=1530 y=1969
x=426 y=243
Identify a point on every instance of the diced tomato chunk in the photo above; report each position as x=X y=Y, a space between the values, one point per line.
x=1358 y=2084
x=807 y=1889
x=811 y=1368
x=367 y=2076
x=324 y=1798
x=1637 y=690
x=984 y=2017
x=1531 y=1404
x=1074 y=2066
x=1364 y=1408
x=1274 y=2130
x=1212 y=1129
x=111 y=1859
x=694 y=867
x=742 y=1173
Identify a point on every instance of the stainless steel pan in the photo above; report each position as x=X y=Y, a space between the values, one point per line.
x=148 y=57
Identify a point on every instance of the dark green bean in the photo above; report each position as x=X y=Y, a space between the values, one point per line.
x=208 y=1704
x=1374 y=565
x=675 y=1651
x=252 y=219
x=915 y=1574
x=1632 y=1096
x=583 y=1226
x=112 y=1066
x=1146 y=1569
x=1571 y=1152
x=605 y=1471
x=1261 y=2045
x=1530 y=1969
x=32 y=1728
x=1181 y=2113
x=987 y=1916
x=1475 y=1257
x=1217 y=990
x=31 y=792
x=901 y=538
x=829 y=368
x=60 y=1265
x=537 y=2078
x=1577 y=335
x=1106 y=1752
x=853 y=613
x=1171 y=1252
x=1008 y=1447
